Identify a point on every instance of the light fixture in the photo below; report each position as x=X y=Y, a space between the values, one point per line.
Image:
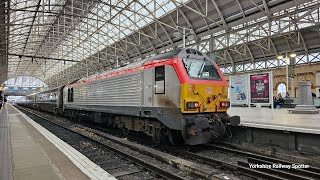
x=293 y=55
x=177 y=33
x=279 y=57
x=190 y=36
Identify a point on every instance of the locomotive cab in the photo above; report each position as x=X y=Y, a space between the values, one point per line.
x=204 y=99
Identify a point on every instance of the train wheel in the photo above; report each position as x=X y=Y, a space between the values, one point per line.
x=156 y=140
x=55 y=111
x=60 y=111
x=109 y=122
x=161 y=138
x=72 y=115
x=175 y=137
x=125 y=131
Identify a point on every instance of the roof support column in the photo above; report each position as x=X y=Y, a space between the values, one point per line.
x=291 y=75
x=3 y=41
x=211 y=46
x=234 y=69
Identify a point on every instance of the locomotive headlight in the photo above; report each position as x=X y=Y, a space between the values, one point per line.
x=192 y=105
x=224 y=104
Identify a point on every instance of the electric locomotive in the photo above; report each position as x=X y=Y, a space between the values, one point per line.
x=181 y=95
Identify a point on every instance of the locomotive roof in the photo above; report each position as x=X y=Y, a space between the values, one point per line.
x=165 y=55
x=174 y=53
x=46 y=91
x=33 y=94
x=50 y=90
x=137 y=63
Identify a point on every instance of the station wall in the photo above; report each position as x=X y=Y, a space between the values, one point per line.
x=310 y=72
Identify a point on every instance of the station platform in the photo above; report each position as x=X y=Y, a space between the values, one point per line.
x=278 y=119
x=30 y=152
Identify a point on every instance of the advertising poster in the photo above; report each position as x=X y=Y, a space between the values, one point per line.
x=239 y=89
x=260 y=88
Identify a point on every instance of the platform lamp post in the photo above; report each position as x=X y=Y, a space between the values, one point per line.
x=181 y=31
x=289 y=63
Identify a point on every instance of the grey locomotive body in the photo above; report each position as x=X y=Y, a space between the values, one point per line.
x=180 y=95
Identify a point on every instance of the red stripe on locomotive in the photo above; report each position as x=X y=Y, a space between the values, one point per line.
x=175 y=63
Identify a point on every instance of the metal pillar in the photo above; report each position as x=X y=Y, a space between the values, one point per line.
x=234 y=70
x=291 y=74
x=184 y=36
x=287 y=72
x=211 y=46
x=117 y=58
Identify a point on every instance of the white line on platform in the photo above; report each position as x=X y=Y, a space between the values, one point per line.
x=88 y=167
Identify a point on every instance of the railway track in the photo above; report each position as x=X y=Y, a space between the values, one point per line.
x=257 y=158
x=242 y=161
x=252 y=164
x=208 y=162
x=119 y=161
x=149 y=162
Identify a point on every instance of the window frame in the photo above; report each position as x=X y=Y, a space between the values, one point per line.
x=204 y=61
x=162 y=79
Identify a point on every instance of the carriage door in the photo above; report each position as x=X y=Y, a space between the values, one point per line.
x=148 y=80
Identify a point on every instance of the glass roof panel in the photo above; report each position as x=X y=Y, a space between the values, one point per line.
x=77 y=29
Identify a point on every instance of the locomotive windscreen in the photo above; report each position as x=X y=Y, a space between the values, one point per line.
x=200 y=69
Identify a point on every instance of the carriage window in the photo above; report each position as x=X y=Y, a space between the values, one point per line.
x=160 y=80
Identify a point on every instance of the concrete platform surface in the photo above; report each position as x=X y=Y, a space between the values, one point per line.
x=30 y=152
x=278 y=119
x=5 y=147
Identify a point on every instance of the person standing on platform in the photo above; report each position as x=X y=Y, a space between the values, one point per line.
x=1 y=99
x=287 y=95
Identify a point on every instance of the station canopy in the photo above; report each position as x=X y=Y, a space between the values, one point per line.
x=59 y=41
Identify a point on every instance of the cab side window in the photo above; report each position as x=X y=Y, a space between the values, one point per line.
x=160 y=80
